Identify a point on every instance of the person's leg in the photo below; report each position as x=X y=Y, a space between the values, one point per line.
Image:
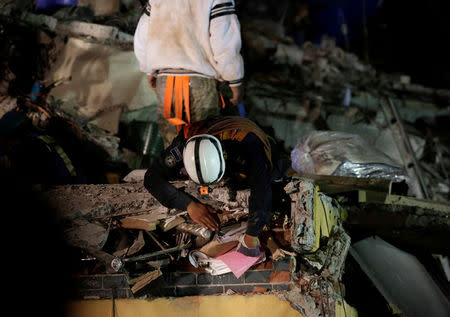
x=167 y=129
x=203 y=101
x=203 y=98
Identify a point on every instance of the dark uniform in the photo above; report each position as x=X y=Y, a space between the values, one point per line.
x=243 y=156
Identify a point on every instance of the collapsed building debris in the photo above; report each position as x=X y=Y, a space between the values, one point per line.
x=317 y=232
x=93 y=86
x=347 y=97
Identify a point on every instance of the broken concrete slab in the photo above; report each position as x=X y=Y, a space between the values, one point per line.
x=103 y=82
x=400 y=277
x=414 y=223
x=137 y=246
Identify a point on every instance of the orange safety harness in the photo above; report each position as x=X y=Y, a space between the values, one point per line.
x=179 y=84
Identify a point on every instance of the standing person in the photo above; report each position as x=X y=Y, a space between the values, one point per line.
x=187 y=47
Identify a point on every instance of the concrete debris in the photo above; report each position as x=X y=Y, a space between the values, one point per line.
x=91 y=110
x=102 y=7
x=316 y=297
x=135 y=176
x=404 y=220
x=315 y=217
x=90 y=31
x=7 y=103
x=303 y=238
x=401 y=278
x=137 y=246
x=332 y=256
x=83 y=233
x=92 y=94
x=316 y=79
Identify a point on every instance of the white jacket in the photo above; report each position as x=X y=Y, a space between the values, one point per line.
x=195 y=37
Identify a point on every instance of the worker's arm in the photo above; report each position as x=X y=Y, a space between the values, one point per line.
x=225 y=39
x=260 y=200
x=165 y=168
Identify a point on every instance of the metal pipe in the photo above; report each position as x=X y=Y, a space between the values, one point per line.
x=409 y=148
x=147 y=256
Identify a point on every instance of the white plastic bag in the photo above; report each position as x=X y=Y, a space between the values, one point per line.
x=342 y=154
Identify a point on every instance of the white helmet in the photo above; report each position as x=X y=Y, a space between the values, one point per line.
x=203 y=159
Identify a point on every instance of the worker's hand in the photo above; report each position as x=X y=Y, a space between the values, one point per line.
x=204 y=215
x=238 y=93
x=151 y=82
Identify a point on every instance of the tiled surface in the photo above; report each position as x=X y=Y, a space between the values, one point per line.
x=262 y=277
x=102 y=287
x=228 y=278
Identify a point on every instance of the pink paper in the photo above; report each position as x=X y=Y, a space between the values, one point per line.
x=237 y=262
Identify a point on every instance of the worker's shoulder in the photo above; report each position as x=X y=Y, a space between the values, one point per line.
x=252 y=138
x=173 y=155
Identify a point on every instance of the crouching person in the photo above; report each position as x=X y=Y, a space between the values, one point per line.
x=207 y=151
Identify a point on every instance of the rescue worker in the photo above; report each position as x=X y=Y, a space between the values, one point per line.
x=187 y=47
x=208 y=151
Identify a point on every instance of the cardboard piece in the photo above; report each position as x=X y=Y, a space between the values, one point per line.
x=239 y=263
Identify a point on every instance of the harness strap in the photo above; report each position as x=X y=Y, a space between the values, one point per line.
x=222 y=100
x=181 y=86
x=235 y=134
x=187 y=108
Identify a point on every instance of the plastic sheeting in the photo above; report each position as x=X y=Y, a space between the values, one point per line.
x=211 y=265
x=342 y=154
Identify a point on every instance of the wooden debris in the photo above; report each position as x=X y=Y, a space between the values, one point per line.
x=215 y=248
x=144 y=280
x=275 y=251
x=144 y=222
x=157 y=264
x=159 y=244
x=170 y=223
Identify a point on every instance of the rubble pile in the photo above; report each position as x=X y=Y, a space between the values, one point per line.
x=125 y=227
x=324 y=88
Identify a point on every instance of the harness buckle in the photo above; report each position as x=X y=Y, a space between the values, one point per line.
x=204 y=190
